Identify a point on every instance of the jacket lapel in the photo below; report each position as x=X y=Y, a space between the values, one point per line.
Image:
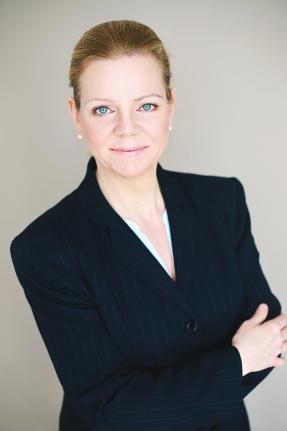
x=130 y=250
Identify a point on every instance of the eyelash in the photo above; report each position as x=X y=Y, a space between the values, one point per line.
x=104 y=106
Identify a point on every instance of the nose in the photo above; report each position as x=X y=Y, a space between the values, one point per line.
x=126 y=124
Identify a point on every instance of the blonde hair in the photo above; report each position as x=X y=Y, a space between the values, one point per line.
x=112 y=39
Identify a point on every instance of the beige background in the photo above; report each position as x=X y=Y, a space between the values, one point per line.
x=229 y=62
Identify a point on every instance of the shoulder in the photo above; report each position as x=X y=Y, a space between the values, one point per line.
x=210 y=191
x=205 y=182
x=46 y=236
x=45 y=258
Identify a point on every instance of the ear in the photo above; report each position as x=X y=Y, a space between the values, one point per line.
x=172 y=104
x=75 y=114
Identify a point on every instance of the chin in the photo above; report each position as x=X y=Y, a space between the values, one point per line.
x=133 y=168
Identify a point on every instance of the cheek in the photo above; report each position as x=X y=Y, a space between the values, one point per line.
x=95 y=132
x=163 y=131
x=159 y=127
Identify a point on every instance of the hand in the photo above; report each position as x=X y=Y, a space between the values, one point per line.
x=259 y=344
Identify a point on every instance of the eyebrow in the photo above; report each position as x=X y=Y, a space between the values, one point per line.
x=136 y=100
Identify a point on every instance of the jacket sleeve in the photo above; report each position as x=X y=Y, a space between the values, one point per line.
x=105 y=390
x=254 y=282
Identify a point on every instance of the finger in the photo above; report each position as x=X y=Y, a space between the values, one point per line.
x=259 y=315
x=280 y=321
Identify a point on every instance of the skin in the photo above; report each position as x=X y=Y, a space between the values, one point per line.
x=128 y=183
x=259 y=343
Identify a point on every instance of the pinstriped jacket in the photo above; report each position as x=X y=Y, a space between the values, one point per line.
x=132 y=348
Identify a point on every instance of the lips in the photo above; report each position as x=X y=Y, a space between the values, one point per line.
x=127 y=149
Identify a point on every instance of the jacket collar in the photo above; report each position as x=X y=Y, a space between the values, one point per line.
x=94 y=201
x=129 y=249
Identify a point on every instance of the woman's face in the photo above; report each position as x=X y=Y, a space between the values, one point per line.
x=137 y=114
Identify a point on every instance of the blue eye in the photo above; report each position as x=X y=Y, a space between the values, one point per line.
x=101 y=108
x=149 y=105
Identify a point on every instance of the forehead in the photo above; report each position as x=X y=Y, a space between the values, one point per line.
x=121 y=76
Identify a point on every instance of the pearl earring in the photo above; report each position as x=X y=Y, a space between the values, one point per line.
x=80 y=136
x=170 y=127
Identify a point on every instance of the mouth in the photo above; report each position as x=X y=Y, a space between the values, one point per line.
x=129 y=151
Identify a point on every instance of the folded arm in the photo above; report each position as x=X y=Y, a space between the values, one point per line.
x=254 y=282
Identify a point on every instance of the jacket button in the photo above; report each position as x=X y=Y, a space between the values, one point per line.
x=191 y=326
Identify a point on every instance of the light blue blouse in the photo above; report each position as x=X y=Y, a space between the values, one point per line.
x=135 y=227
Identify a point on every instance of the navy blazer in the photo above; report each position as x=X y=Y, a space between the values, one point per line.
x=135 y=350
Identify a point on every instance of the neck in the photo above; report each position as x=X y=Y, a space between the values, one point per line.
x=136 y=198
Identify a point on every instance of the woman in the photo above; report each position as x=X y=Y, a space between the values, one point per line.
x=145 y=283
